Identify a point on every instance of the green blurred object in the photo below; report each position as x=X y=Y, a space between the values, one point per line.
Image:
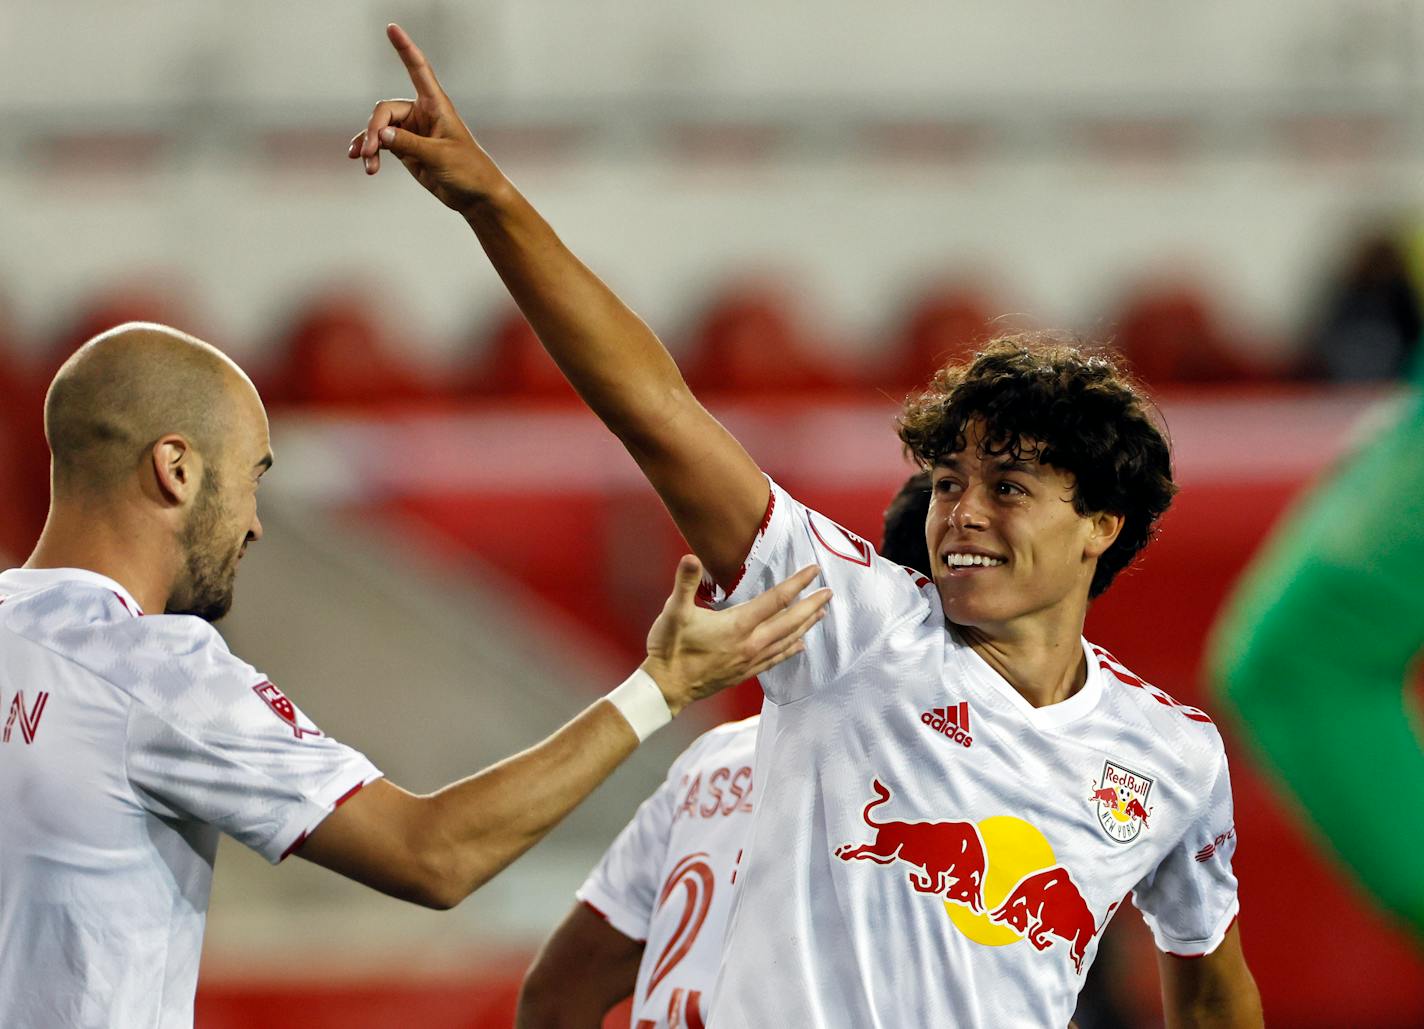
x=1315 y=650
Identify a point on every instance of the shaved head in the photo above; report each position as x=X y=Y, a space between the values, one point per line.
x=125 y=389
x=161 y=433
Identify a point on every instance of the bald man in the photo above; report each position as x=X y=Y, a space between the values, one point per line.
x=132 y=736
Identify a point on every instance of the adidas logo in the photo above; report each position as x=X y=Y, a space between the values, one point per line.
x=952 y=722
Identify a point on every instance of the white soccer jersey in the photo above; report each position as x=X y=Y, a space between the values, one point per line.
x=668 y=877
x=128 y=743
x=928 y=849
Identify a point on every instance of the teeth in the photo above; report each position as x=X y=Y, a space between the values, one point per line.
x=971 y=560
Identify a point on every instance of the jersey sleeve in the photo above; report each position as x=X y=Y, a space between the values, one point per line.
x=871 y=594
x=623 y=887
x=1189 y=899
x=212 y=739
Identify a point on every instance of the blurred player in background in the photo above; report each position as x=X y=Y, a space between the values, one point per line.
x=650 y=919
x=1315 y=649
x=131 y=741
x=893 y=874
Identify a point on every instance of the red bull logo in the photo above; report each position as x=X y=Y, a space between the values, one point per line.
x=1048 y=904
x=944 y=857
x=1121 y=799
x=999 y=878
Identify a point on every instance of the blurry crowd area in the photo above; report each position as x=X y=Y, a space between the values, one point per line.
x=337 y=353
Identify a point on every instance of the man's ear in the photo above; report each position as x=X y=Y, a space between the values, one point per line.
x=177 y=469
x=1102 y=533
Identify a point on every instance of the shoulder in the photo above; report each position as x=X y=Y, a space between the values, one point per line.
x=49 y=614
x=1188 y=730
x=721 y=743
x=157 y=659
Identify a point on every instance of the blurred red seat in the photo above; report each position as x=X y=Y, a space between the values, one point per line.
x=140 y=300
x=507 y=360
x=1172 y=335
x=947 y=323
x=750 y=341
x=24 y=456
x=335 y=353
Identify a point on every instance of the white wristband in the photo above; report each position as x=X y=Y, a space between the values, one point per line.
x=641 y=702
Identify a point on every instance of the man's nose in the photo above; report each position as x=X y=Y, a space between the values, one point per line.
x=970 y=511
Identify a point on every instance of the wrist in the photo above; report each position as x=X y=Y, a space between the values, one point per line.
x=642 y=703
x=488 y=205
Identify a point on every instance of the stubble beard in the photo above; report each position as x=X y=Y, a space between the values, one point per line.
x=210 y=567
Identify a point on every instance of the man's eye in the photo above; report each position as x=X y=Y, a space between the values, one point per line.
x=1011 y=489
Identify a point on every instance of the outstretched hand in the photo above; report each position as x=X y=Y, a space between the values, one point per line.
x=694 y=652
x=428 y=136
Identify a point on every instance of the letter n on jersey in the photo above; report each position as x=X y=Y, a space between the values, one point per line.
x=28 y=718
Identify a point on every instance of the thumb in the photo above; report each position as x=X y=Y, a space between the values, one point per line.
x=404 y=143
x=689 y=578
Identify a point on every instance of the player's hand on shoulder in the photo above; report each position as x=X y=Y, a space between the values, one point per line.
x=428 y=136
x=694 y=652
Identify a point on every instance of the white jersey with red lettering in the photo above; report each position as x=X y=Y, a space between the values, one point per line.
x=668 y=877
x=930 y=849
x=128 y=744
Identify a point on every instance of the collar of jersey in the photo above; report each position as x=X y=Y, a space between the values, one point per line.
x=1054 y=715
x=39 y=578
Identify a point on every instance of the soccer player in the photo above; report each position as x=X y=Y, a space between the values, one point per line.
x=1315 y=649
x=133 y=736
x=954 y=789
x=650 y=919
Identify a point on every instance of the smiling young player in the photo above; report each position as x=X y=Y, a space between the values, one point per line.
x=955 y=790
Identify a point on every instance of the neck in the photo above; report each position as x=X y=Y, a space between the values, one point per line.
x=1044 y=663
x=109 y=539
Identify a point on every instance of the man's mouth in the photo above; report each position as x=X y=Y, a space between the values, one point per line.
x=955 y=560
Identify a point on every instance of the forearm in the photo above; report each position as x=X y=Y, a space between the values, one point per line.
x=606 y=351
x=712 y=488
x=477 y=826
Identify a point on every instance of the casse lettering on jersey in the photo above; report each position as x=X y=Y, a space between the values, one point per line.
x=721 y=792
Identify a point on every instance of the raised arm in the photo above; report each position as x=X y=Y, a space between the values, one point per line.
x=437 y=849
x=711 y=486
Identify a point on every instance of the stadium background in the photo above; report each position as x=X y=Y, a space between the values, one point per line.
x=811 y=206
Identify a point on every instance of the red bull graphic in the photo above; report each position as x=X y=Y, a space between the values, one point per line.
x=1121 y=799
x=999 y=878
x=1048 y=904
x=944 y=857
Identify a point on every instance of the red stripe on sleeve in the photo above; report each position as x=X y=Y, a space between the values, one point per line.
x=1193 y=957
x=303 y=837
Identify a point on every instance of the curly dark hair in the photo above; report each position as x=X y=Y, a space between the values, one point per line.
x=902 y=539
x=1050 y=399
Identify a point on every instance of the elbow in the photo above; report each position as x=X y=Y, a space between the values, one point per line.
x=440 y=876
x=437 y=897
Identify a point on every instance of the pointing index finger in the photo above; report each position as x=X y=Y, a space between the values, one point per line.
x=421 y=74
